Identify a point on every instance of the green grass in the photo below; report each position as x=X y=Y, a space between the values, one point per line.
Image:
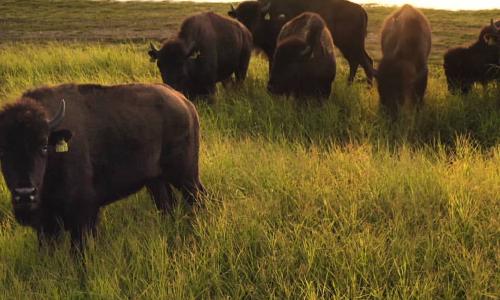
x=42 y=20
x=305 y=201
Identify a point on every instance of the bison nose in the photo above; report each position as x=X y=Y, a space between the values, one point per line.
x=26 y=194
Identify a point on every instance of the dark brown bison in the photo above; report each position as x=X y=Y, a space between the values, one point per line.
x=406 y=45
x=480 y=62
x=208 y=49
x=304 y=61
x=64 y=159
x=255 y=16
x=346 y=21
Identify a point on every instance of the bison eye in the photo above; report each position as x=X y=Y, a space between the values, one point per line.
x=43 y=149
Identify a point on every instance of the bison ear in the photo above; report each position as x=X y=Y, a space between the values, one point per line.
x=193 y=52
x=266 y=8
x=489 y=39
x=232 y=12
x=153 y=52
x=58 y=136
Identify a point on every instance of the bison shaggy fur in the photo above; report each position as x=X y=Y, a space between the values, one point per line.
x=480 y=62
x=406 y=45
x=208 y=48
x=304 y=61
x=105 y=143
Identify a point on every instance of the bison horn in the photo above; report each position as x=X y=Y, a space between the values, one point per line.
x=153 y=53
x=59 y=116
x=266 y=8
x=190 y=49
x=493 y=25
x=232 y=8
x=153 y=48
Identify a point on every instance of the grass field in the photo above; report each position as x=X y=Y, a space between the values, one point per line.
x=304 y=201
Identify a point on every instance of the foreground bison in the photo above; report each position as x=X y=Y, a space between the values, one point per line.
x=346 y=21
x=208 y=49
x=304 y=61
x=64 y=159
x=406 y=45
x=480 y=62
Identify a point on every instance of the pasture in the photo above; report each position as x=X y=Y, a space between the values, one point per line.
x=305 y=201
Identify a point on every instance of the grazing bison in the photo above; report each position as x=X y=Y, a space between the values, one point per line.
x=304 y=61
x=208 y=49
x=255 y=16
x=64 y=159
x=346 y=21
x=406 y=45
x=477 y=63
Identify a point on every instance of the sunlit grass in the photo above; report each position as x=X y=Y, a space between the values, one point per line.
x=306 y=201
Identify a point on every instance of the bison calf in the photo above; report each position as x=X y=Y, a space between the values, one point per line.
x=64 y=159
x=480 y=62
x=406 y=45
x=304 y=61
x=208 y=49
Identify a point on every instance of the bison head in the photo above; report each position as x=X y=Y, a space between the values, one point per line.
x=491 y=34
x=397 y=83
x=256 y=17
x=27 y=138
x=289 y=60
x=177 y=62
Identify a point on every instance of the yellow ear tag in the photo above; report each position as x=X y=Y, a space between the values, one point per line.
x=195 y=55
x=62 y=146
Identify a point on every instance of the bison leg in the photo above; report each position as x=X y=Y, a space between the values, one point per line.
x=421 y=87
x=241 y=72
x=326 y=90
x=367 y=65
x=162 y=195
x=49 y=231
x=192 y=191
x=83 y=222
x=353 y=68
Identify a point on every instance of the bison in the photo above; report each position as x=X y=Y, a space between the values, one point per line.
x=304 y=61
x=255 y=16
x=208 y=49
x=64 y=159
x=406 y=45
x=346 y=21
x=477 y=63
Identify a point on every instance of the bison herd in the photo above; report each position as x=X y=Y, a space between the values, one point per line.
x=68 y=150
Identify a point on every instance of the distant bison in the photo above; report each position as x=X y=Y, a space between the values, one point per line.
x=406 y=45
x=346 y=21
x=255 y=16
x=64 y=159
x=304 y=61
x=208 y=49
x=480 y=62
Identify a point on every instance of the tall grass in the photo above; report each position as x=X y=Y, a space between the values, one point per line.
x=305 y=201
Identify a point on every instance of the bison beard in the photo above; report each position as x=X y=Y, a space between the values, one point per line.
x=104 y=144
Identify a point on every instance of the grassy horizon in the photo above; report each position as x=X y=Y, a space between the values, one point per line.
x=305 y=201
